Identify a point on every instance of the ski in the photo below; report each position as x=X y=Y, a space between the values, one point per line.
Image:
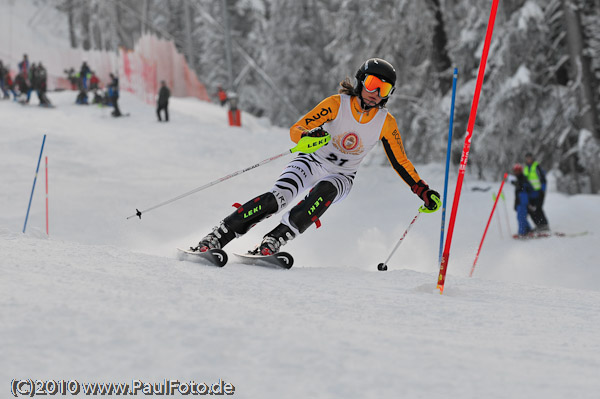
x=212 y=257
x=547 y=234
x=280 y=260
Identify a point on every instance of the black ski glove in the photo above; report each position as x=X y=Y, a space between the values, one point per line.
x=316 y=132
x=425 y=193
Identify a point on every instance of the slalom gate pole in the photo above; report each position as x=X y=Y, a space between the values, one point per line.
x=467 y=146
x=305 y=145
x=488 y=224
x=506 y=215
x=34 y=181
x=498 y=219
x=47 y=229
x=448 y=150
x=383 y=266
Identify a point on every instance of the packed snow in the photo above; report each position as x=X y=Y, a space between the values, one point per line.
x=103 y=298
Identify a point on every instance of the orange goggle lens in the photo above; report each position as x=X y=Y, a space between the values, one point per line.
x=372 y=83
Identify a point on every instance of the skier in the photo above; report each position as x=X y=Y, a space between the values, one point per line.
x=163 y=101
x=523 y=190
x=537 y=178
x=355 y=119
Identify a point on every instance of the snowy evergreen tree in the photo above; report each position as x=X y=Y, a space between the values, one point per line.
x=540 y=92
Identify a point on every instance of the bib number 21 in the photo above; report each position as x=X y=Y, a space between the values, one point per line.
x=334 y=159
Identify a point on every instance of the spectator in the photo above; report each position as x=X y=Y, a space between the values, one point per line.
x=99 y=98
x=72 y=77
x=3 y=82
x=163 y=101
x=33 y=80
x=42 y=85
x=113 y=94
x=222 y=95
x=537 y=179
x=82 y=96
x=22 y=88
x=94 y=81
x=24 y=67
x=84 y=73
x=9 y=85
x=522 y=192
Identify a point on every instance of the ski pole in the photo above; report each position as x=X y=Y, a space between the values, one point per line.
x=34 y=181
x=306 y=145
x=47 y=226
x=488 y=224
x=383 y=266
x=506 y=214
x=448 y=150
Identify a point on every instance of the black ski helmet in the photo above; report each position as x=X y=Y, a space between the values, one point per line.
x=377 y=67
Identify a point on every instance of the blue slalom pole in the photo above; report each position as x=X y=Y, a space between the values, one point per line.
x=454 y=78
x=34 y=180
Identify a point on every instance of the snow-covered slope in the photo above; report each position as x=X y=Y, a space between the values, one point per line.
x=104 y=299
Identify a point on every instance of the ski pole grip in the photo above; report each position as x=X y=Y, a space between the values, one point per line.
x=308 y=145
x=435 y=199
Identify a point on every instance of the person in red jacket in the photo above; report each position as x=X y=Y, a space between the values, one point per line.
x=222 y=94
x=94 y=81
x=355 y=120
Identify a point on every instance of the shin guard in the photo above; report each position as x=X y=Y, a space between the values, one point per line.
x=251 y=213
x=309 y=210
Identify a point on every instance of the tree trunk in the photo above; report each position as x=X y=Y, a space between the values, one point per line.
x=441 y=60
x=580 y=67
x=145 y=13
x=187 y=16
x=71 y=16
x=86 y=42
x=584 y=82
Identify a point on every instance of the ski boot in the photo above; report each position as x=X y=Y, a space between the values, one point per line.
x=273 y=241
x=216 y=239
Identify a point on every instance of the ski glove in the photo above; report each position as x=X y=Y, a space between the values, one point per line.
x=316 y=132
x=426 y=194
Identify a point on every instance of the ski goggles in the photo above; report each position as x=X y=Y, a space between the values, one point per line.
x=372 y=83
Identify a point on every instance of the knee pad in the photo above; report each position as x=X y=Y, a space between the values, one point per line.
x=251 y=213
x=313 y=206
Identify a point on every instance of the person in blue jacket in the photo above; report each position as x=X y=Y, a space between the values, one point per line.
x=113 y=95
x=523 y=190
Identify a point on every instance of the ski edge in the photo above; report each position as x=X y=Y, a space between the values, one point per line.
x=549 y=234
x=212 y=257
x=281 y=260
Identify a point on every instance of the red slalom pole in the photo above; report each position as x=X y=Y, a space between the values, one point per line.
x=466 y=148
x=488 y=224
x=47 y=230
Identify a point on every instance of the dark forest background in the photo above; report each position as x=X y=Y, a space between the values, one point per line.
x=541 y=91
